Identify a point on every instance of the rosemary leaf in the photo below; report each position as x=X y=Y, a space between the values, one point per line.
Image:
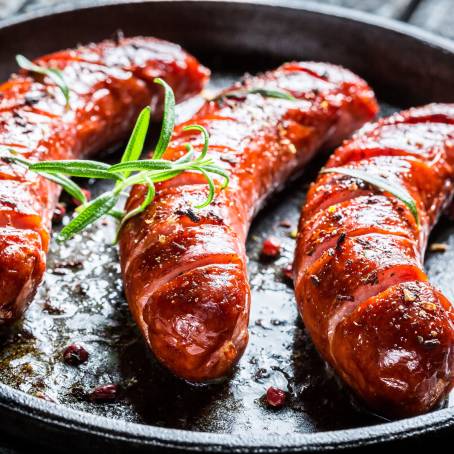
x=68 y=185
x=265 y=92
x=206 y=137
x=149 y=164
x=168 y=120
x=76 y=168
x=137 y=140
x=131 y=170
x=52 y=73
x=218 y=171
x=211 y=189
x=142 y=207
x=188 y=156
x=381 y=183
x=89 y=214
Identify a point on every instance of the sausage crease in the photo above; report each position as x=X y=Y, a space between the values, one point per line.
x=184 y=270
x=359 y=277
x=109 y=83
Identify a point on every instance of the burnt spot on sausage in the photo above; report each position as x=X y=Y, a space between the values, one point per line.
x=340 y=241
x=315 y=280
x=371 y=278
x=189 y=213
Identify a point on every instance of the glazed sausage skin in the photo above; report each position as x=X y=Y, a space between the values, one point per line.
x=359 y=278
x=184 y=270
x=109 y=84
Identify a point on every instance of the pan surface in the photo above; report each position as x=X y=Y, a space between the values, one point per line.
x=81 y=299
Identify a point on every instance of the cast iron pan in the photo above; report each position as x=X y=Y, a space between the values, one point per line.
x=81 y=299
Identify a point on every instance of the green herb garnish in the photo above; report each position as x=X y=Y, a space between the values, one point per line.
x=52 y=73
x=265 y=92
x=129 y=171
x=381 y=183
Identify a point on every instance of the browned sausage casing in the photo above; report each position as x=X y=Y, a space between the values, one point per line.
x=185 y=270
x=360 y=284
x=109 y=83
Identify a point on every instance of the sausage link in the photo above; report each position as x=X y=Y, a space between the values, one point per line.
x=184 y=270
x=109 y=84
x=359 y=277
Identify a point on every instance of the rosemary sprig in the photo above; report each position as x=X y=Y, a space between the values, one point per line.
x=52 y=73
x=381 y=183
x=265 y=92
x=129 y=171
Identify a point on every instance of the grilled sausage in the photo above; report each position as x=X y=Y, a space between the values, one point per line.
x=184 y=270
x=109 y=83
x=359 y=277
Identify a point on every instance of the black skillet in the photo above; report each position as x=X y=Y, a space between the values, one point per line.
x=81 y=299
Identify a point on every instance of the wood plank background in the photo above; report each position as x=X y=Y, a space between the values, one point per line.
x=434 y=15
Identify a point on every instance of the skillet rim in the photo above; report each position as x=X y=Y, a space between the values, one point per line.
x=60 y=417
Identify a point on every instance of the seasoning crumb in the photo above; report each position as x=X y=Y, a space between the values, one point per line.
x=438 y=247
x=51 y=309
x=285 y=223
x=44 y=396
x=409 y=297
x=429 y=307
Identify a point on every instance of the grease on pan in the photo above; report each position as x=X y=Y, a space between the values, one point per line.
x=82 y=301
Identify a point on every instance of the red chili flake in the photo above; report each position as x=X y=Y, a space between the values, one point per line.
x=87 y=196
x=105 y=393
x=271 y=248
x=75 y=355
x=59 y=212
x=287 y=272
x=275 y=397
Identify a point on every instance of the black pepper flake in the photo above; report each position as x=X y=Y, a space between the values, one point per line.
x=341 y=240
x=19 y=119
x=68 y=264
x=32 y=98
x=372 y=278
x=118 y=36
x=431 y=343
x=189 y=213
x=231 y=159
x=51 y=309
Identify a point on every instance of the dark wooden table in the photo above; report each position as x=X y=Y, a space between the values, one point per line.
x=434 y=15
